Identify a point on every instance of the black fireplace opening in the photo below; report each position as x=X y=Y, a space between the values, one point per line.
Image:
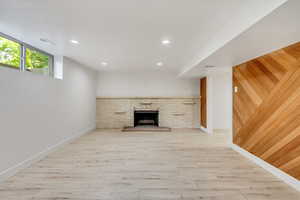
x=146 y=117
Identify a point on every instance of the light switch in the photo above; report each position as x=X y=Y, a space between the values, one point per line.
x=236 y=89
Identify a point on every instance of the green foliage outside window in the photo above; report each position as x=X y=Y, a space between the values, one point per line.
x=36 y=60
x=10 y=53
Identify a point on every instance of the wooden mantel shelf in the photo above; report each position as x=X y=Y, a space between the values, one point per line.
x=146 y=103
x=189 y=103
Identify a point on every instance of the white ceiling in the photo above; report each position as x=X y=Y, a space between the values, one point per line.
x=277 y=30
x=127 y=33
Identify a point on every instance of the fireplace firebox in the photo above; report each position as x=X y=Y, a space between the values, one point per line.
x=146 y=117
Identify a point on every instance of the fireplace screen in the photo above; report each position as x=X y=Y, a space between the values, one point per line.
x=146 y=117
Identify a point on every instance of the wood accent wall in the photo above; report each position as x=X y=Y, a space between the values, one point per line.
x=266 y=108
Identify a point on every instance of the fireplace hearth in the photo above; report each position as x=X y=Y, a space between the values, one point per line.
x=146 y=118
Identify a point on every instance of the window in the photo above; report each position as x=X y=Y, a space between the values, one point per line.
x=37 y=62
x=10 y=53
x=33 y=60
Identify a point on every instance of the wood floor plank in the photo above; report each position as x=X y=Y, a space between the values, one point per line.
x=184 y=164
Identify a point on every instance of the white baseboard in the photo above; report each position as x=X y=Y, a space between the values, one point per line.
x=222 y=131
x=4 y=175
x=275 y=171
x=206 y=130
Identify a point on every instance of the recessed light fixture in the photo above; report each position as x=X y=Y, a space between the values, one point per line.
x=104 y=63
x=159 y=64
x=165 y=42
x=74 y=41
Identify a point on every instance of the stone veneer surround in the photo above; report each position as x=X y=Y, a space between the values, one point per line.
x=174 y=112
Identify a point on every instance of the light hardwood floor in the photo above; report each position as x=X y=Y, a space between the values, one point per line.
x=180 y=165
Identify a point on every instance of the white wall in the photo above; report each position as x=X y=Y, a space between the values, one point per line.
x=37 y=112
x=219 y=99
x=222 y=95
x=147 y=84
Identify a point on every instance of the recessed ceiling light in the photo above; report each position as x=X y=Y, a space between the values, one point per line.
x=166 y=42
x=159 y=64
x=74 y=41
x=104 y=63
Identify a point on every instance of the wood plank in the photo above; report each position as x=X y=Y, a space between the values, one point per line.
x=179 y=165
x=271 y=129
x=203 y=102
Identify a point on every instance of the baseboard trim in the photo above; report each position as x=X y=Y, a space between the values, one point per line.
x=4 y=175
x=204 y=129
x=273 y=170
x=222 y=131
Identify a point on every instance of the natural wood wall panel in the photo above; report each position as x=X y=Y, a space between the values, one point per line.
x=203 y=102
x=266 y=108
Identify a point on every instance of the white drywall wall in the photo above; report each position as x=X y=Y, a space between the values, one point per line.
x=222 y=95
x=145 y=84
x=37 y=112
x=219 y=99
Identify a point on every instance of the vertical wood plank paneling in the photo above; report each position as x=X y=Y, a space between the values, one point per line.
x=203 y=102
x=266 y=108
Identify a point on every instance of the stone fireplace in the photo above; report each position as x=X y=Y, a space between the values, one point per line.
x=146 y=118
x=173 y=112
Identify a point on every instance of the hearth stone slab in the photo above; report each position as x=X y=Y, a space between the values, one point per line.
x=146 y=129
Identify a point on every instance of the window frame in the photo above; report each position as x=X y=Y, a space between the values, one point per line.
x=23 y=47
x=50 y=61
x=16 y=41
